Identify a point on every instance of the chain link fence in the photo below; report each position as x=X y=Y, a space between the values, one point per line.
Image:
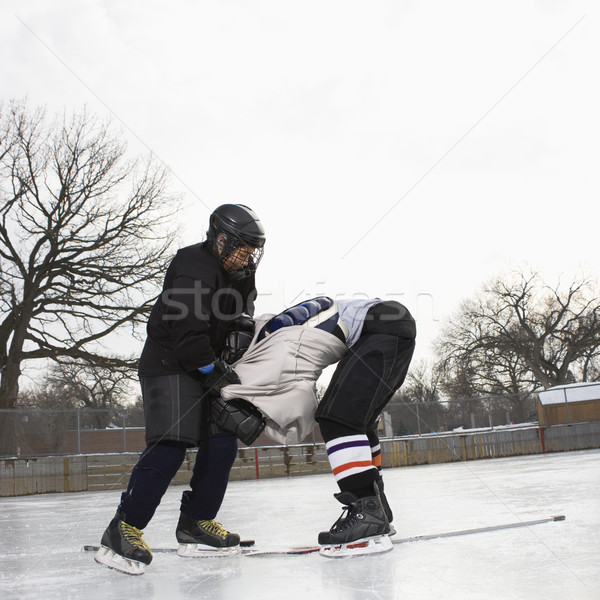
x=86 y=431
x=421 y=418
x=28 y=433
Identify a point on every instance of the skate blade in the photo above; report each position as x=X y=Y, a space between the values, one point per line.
x=204 y=551
x=373 y=545
x=107 y=557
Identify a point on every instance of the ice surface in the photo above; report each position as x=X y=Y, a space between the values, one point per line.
x=41 y=539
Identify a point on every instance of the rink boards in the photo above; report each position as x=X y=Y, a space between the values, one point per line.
x=24 y=476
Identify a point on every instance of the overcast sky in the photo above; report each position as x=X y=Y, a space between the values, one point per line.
x=399 y=149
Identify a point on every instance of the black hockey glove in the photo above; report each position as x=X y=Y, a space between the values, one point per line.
x=239 y=417
x=237 y=341
x=220 y=376
x=243 y=323
x=235 y=346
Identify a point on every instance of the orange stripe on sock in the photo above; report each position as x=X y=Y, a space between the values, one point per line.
x=351 y=465
x=376 y=460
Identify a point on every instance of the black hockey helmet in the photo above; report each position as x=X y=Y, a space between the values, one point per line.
x=240 y=226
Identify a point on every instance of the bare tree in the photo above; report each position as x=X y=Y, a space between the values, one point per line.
x=482 y=371
x=74 y=385
x=422 y=384
x=520 y=334
x=84 y=240
x=60 y=403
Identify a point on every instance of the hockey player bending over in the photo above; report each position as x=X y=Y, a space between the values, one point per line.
x=208 y=286
x=375 y=341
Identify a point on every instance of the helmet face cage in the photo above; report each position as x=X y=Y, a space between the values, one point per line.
x=229 y=244
x=232 y=227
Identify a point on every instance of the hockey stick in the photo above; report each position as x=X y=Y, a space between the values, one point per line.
x=298 y=550
x=417 y=538
x=95 y=547
x=434 y=536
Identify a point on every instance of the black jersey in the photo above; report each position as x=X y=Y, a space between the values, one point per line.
x=190 y=319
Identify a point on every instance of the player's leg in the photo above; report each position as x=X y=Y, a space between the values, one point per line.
x=390 y=319
x=349 y=455
x=363 y=383
x=200 y=505
x=343 y=415
x=122 y=546
x=173 y=408
x=197 y=531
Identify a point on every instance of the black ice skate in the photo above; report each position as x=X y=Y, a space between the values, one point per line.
x=205 y=538
x=362 y=529
x=122 y=548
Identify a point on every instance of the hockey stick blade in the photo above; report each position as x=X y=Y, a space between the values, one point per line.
x=298 y=550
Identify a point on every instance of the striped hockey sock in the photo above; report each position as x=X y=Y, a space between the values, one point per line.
x=350 y=459
x=376 y=457
x=375 y=450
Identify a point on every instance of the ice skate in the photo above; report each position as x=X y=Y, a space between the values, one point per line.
x=362 y=529
x=199 y=539
x=122 y=548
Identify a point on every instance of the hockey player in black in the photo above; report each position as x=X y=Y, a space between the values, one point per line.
x=208 y=289
x=381 y=341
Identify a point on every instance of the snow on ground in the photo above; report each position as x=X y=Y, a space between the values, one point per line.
x=41 y=539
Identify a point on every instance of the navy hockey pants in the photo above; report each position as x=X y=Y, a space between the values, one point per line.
x=157 y=466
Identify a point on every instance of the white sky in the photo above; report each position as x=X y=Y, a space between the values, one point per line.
x=399 y=149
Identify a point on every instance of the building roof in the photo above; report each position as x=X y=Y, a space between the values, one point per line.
x=572 y=392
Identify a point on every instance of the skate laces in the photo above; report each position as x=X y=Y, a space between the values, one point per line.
x=134 y=536
x=214 y=528
x=348 y=518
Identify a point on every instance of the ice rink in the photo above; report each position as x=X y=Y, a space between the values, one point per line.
x=41 y=539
